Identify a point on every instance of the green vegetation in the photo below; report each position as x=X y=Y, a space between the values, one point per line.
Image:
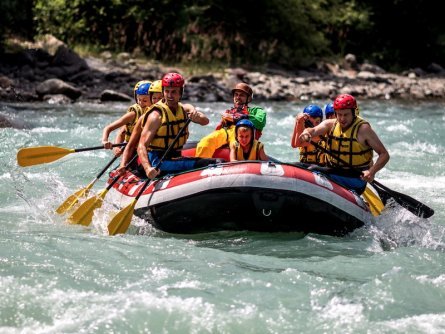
x=394 y=34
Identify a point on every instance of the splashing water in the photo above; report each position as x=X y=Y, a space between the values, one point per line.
x=63 y=278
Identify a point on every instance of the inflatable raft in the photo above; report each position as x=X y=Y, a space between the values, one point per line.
x=244 y=195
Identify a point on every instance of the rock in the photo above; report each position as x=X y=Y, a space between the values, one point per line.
x=5 y=82
x=57 y=86
x=35 y=69
x=50 y=44
x=123 y=57
x=366 y=67
x=331 y=68
x=68 y=59
x=7 y=122
x=435 y=68
x=366 y=75
x=350 y=62
x=111 y=95
x=57 y=99
x=417 y=92
x=106 y=55
x=202 y=78
x=419 y=72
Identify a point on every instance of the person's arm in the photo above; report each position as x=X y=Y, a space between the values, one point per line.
x=130 y=148
x=232 y=151
x=127 y=118
x=258 y=117
x=120 y=138
x=262 y=154
x=366 y=135
x=298 y=130
x=195 y=115
x=148 y=133
x=321 y=129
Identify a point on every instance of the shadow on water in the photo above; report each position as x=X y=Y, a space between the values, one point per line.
x=395 y=228
x=278 y=244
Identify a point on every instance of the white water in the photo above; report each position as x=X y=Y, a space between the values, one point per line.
x=61 y=278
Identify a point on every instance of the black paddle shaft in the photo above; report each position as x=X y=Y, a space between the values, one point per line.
x=106 y=167
x=187 y=122
x=97 y=147
x=409 y=203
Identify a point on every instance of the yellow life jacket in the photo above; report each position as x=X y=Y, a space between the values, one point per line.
x=322 y=156
x=253 y=154
x=309 y=154
x=345 y=146
x=137 y=109
x=170 y=125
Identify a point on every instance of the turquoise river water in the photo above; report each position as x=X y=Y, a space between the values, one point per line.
x=61 y=278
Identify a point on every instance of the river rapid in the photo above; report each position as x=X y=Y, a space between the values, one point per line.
x=61 y=278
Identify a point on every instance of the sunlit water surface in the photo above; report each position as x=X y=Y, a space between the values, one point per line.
x=62 y=278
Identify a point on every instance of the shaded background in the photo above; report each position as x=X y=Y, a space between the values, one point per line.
x=395 y=35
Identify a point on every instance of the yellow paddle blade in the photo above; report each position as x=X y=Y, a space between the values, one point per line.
x=375 y=203
x=30 y=156
x=73 y=199
x=84 y=213
x=121 y=221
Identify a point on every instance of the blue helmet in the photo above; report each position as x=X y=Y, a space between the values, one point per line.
x=143 y=89
x=329 y=109
x=245 y=122
x=313 y=110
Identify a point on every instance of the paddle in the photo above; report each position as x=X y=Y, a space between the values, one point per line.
x=30 y=156
x=84 y=213
x=74 y=198
x=121 y=221
x=409 y=203
x=376 y=205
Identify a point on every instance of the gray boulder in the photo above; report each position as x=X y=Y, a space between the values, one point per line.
x=111 y=95
x=57 y=86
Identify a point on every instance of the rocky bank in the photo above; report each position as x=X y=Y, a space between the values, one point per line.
x=50 y=71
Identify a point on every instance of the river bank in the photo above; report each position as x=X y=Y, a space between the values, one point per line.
x=50 y=71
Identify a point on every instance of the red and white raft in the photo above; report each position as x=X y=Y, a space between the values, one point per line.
x=245 y=195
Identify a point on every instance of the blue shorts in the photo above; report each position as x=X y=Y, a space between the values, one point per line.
x=353 y=183
x=171 y=165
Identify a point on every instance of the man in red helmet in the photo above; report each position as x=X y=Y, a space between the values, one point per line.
x=224 y=133
x=160 y=126
x=351 y=142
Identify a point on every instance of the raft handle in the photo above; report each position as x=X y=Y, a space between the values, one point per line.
x=268 y=213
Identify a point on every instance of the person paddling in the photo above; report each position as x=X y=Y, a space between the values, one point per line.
x=129 y=119
x=328 y=113
x=310 y=117
x=161 y=124
x=156 y=94
x=351 y=142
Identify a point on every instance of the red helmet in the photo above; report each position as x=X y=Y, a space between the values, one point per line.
x=173 y=80
x=345 y=101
